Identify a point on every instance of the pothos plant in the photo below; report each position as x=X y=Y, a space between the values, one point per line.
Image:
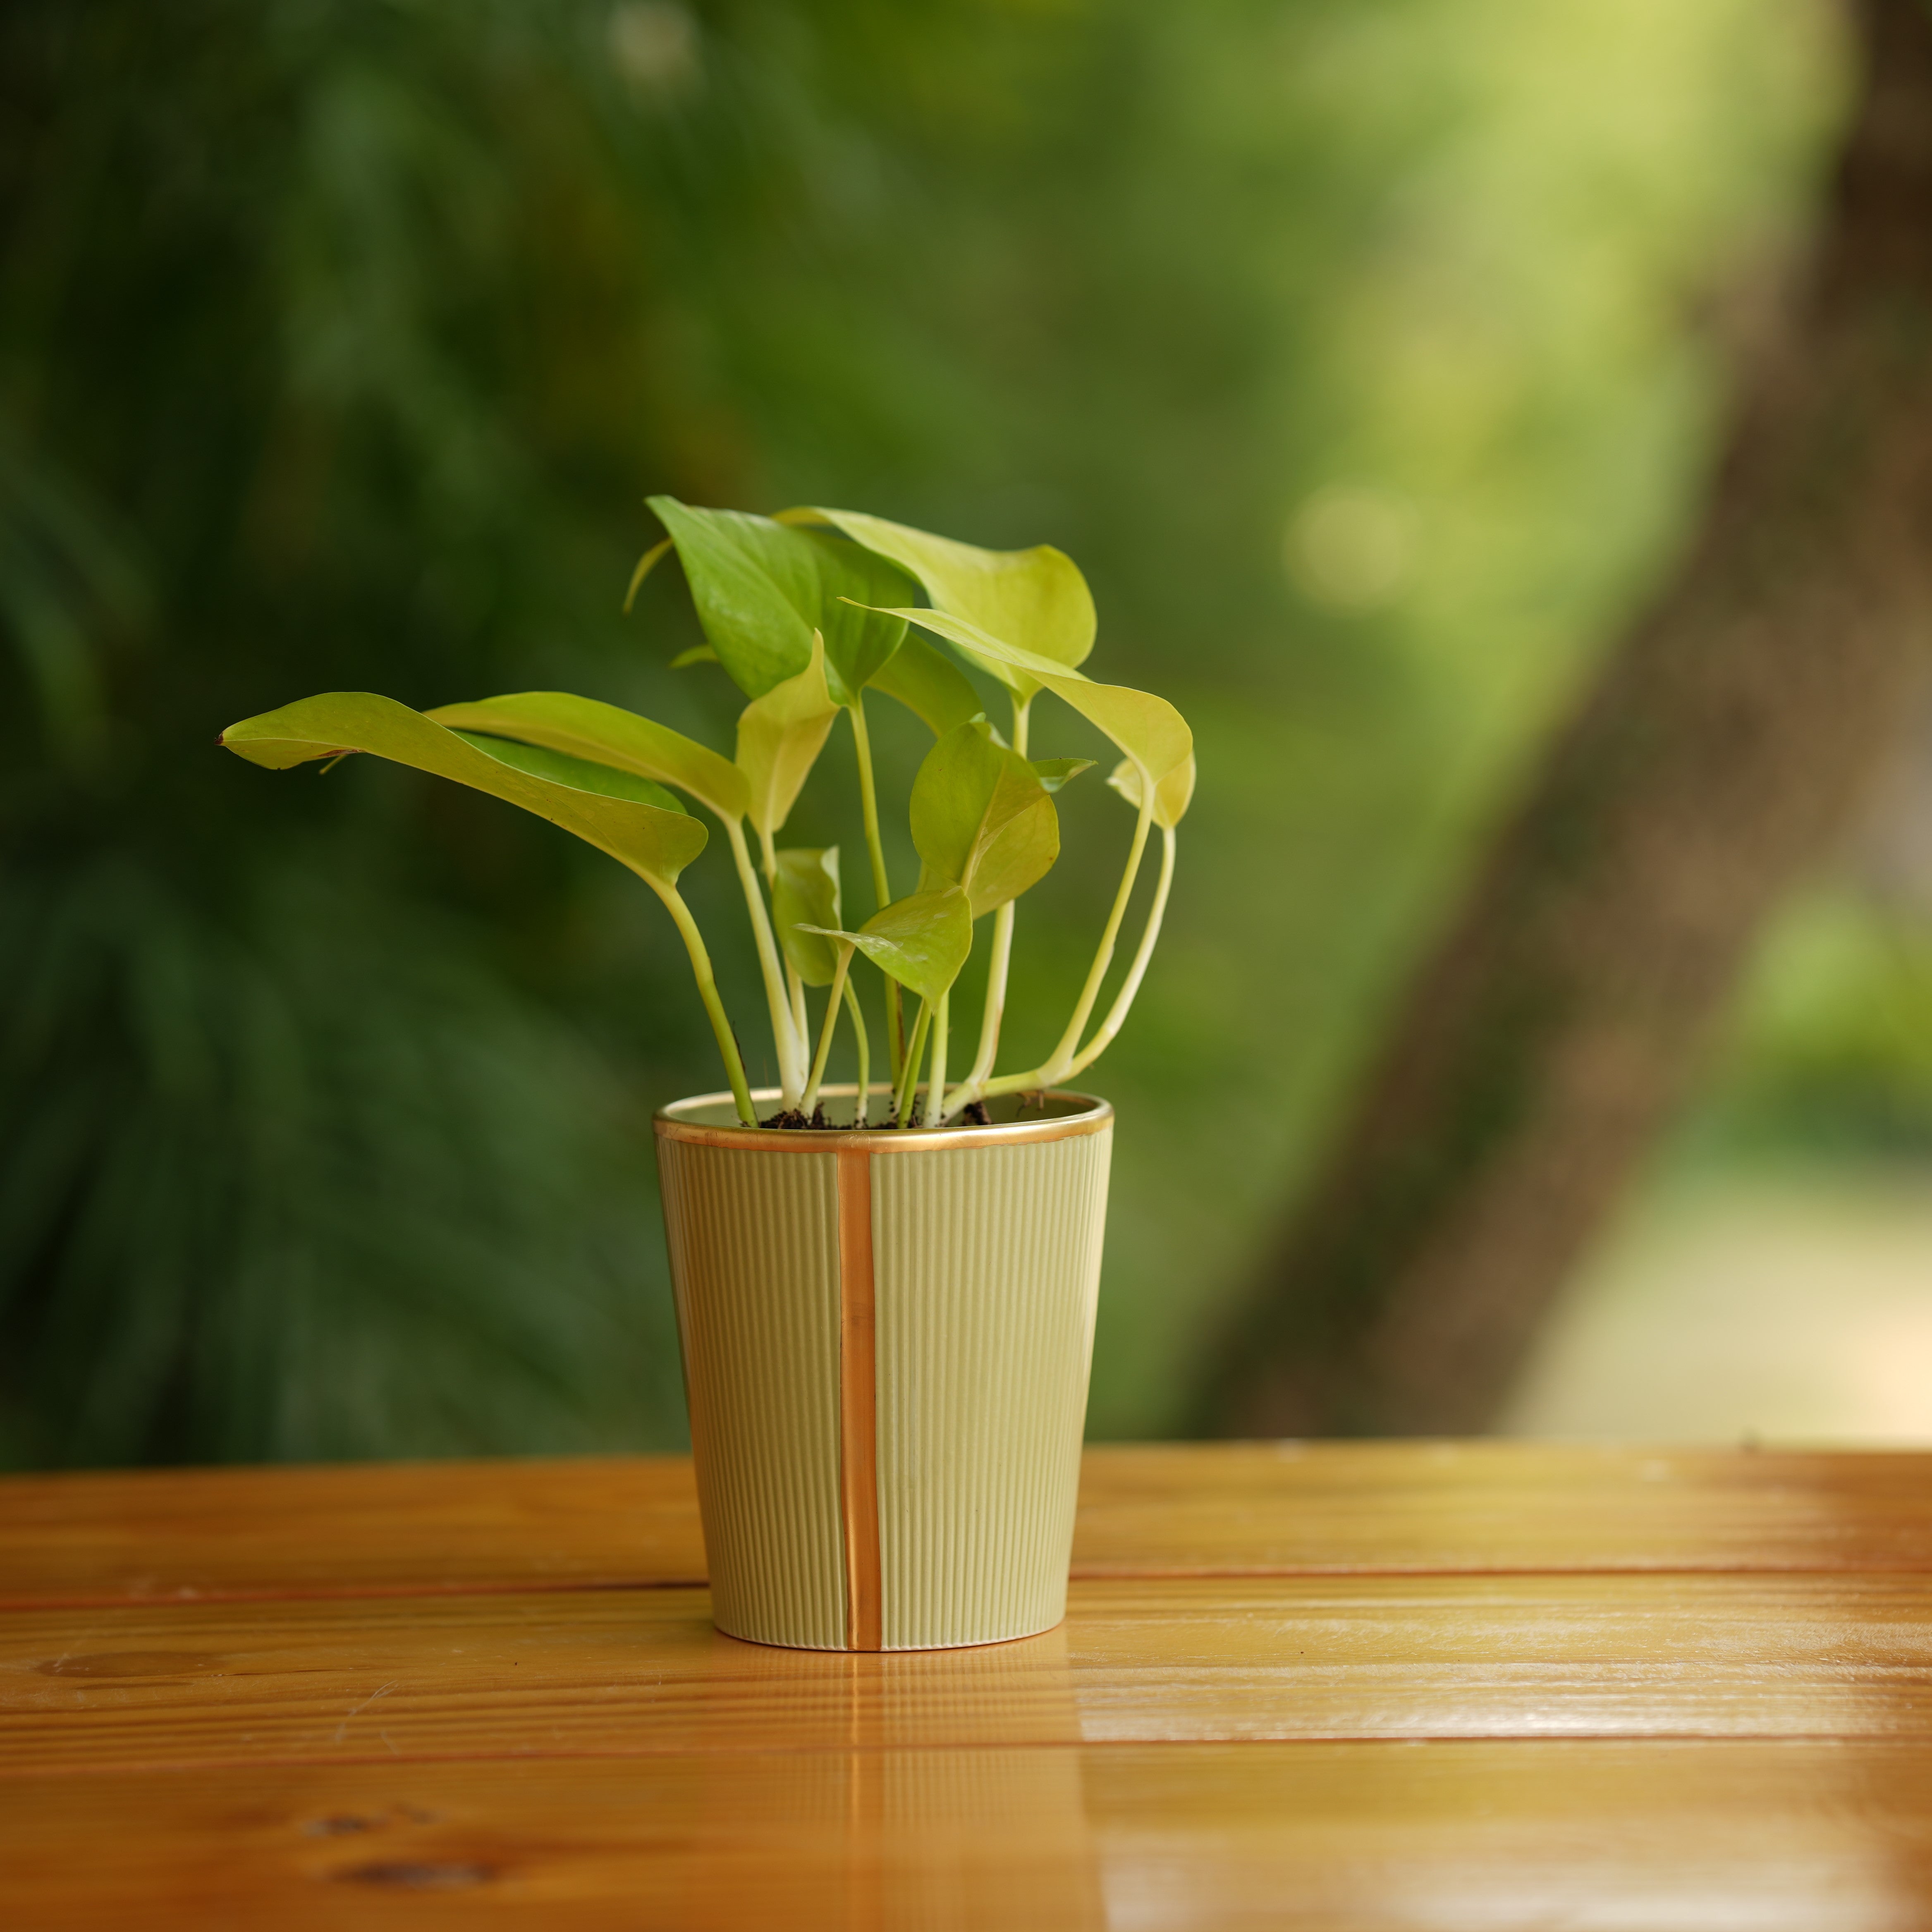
x=807 y=611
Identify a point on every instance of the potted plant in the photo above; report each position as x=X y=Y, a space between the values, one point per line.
x=885 y=1289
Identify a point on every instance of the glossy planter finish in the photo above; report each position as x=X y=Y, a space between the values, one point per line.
x=886 y=1338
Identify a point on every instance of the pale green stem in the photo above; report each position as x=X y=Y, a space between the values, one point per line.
x=784 y=1036
x=1062 y=1055
x=935 y=1087
x=800 y=1021
x=882 y=892
x=1003 y=946
x=707 y=991
x=1059 y=1064
x=864 y=1055
x=1124 y=1000
x=909 y=1072
x=810 y=1099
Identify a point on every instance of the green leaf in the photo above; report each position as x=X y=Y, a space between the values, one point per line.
x=655 y=843
x=1171 y=797
x=929 y=686
x=762 y=588
x=1148 y=729
x=697 y=654
x=922 y=941
x=780 y=736
x=860 y=640
x=1037 y=598
x=580 y=774
x=751 y=586
x=582 y=727
x=1054 y=772
x=981 y=819
x=806 y=895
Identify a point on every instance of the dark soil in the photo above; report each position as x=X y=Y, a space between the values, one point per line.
x=792 y=1118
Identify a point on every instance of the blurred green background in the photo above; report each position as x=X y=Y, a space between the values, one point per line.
x=1367 y=358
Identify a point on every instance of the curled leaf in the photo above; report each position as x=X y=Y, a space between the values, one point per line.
x=1054 y=772
x=780 y=736
x=805 y=907
x=655 y=843
x=582 y=727
x=1171 y=797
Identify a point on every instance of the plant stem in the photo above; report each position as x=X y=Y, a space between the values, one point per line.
x=801 y=1022
x=707 y=991
x=784 y=1037
x=995 y=1007
x=810 y=1099
x=1124 y=1000
x=864 y=1055
x=1062 y=1056
x=882 y=892
x=1060 y=1062
x=909 y=1072
x=935 y=1084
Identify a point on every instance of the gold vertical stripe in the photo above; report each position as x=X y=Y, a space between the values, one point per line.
x=858 y=1401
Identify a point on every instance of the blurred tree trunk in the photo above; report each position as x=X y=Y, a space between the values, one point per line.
x=1724 y=747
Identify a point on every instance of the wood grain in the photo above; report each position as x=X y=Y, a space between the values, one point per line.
x=1673 y=1837
x=1451 y=1687
x=1258 y=1509
x=348 y=1530
x=1297 y=1508
x=628 y=1673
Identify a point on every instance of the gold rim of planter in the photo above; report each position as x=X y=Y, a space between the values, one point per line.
x=1093 y=1114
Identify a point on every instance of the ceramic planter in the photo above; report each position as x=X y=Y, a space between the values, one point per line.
x=886 y=1338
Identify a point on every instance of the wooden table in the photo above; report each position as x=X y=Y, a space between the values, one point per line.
x=1460 y=1687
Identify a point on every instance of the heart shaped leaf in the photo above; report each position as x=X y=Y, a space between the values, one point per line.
x=1037 y=598
x=762 y=588
x=780 y=736
x=805 y=907
x=1171 y=797
x=922 y=941
x=607 y=735
x=655 y=842
x=981 y=819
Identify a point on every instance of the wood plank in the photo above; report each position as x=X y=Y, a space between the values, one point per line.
x=1339 y=1508
x=1668 y=1837
x=1179 y=1509
x=348 y=1530
x=627 y=1673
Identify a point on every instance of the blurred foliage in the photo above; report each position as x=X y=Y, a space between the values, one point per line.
x=1828 y=1057
x=1366 y=358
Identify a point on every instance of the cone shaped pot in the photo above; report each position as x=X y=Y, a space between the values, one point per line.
x=887 y=1338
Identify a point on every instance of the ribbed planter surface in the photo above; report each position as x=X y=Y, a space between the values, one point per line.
x=887 y=1339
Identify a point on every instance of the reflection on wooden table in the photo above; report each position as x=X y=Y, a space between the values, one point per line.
x=1453 y=1686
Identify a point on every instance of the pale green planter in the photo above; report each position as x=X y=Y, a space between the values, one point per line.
x=886 y=1340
